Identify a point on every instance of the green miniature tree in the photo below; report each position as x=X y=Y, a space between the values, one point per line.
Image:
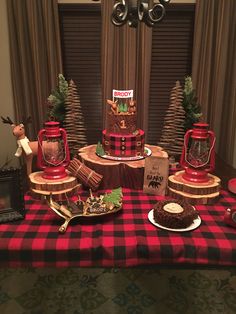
x=56 y=101
x=122 y=107
x=115 y=197
x=192 y=108
x=99 y=149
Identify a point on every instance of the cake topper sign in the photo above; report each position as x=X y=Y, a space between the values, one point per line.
x=122 y=93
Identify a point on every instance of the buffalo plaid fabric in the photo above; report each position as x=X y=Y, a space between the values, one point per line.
x=123 y=145
x=123 y=239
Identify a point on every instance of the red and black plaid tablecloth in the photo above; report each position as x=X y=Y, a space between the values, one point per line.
x=123 y=239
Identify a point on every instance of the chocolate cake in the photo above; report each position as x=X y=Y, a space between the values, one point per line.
x=122 y=138
x=174 y=214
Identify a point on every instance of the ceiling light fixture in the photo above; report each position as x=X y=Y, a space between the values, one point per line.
x=137 y=10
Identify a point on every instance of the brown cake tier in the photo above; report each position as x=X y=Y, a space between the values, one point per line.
x=174 y=214
x=120 y=145
x=121 y=123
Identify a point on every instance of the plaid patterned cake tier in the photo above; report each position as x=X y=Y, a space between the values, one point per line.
x=120 y=145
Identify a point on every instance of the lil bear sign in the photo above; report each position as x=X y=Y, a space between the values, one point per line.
x=155 y=175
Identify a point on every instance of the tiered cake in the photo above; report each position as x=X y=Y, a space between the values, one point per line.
x=121 y=138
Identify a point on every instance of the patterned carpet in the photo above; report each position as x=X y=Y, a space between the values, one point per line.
x=117 y=291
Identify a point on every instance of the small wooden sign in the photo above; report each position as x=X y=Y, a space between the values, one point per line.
x=156 y=175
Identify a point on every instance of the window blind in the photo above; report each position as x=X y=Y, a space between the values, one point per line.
x=80 y=27
x=171 y=61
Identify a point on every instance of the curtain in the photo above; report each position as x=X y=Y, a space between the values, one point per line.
x=126 y=61
x=214 y=70
x=35 y=57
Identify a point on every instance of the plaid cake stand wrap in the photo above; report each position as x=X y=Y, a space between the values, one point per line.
x=124 y=239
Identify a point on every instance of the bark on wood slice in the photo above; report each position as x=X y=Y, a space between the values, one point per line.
x=127 y=174
x=200 y=193
x=57 y=195
x=37 y=182
x=206 y=199
x=177 y=183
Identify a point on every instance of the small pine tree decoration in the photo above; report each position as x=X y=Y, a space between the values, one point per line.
x=56 y=101
x=172 y=137
x=74 y=121
x=99 y=149
x=192 y=108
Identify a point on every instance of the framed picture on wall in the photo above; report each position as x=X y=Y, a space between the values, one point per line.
x=11 y=195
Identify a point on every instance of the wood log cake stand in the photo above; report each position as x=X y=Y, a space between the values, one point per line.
x=60 y=188
x=200 y=193
x=116 y=174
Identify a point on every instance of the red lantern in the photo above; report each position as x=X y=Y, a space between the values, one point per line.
x=53 y=151
x=198 y=155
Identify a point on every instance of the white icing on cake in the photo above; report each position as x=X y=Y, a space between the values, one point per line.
x=173 y=208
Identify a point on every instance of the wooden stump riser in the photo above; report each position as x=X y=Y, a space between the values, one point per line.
x=37 y=182
x=192 y=189
x=61 y=188
x=57 y=196
x=207 y=199
x=127 y=174
x=195 y=193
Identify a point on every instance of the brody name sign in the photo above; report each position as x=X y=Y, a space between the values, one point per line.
x=122 y=93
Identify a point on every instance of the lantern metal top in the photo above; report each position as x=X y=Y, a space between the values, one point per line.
x=52 y=129
x=200 y=131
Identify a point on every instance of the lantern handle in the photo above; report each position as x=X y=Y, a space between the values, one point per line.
x=211 y=157
x=183 y=158
x=40 y=150
x=67 y=153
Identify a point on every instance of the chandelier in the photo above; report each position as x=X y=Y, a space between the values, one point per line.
x=132 y=11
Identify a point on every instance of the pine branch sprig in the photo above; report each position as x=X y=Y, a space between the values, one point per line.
x=190 y=104
x=56 y=100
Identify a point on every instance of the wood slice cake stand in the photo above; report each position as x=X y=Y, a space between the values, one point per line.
x=59 y=188
x=195 y=193
x=127 y=174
